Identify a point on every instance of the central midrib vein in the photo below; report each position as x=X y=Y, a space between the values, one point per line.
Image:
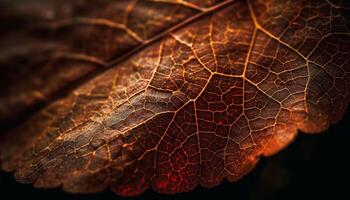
x=66 y=90
x=78 y=82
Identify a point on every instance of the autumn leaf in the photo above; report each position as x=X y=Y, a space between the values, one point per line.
x=168 y=94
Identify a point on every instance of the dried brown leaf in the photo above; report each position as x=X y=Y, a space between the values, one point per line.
x=169 y=94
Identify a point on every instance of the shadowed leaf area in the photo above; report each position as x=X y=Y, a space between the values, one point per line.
x=167 y=94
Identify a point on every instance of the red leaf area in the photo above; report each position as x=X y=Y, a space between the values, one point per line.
x=168 y=94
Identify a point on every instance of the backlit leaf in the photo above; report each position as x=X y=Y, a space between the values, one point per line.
x=168 y=94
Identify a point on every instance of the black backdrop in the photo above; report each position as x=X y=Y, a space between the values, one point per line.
x=313 y=166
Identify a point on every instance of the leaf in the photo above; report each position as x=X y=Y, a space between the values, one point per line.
x=204 y=90
x=63 y=43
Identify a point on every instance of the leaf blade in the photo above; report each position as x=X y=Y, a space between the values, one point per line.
x=197 y=106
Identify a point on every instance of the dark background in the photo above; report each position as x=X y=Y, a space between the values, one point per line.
x=313 y=166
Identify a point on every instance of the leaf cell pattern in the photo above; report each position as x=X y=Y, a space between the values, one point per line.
x=201 y=95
